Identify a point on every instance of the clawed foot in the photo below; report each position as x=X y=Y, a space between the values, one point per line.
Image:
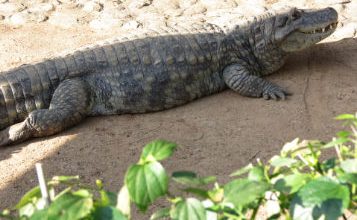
x=14 y=134
x=272 y=91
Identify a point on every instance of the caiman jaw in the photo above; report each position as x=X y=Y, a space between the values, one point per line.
x=330 y=27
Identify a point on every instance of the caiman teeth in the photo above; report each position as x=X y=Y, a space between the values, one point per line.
x=322 y=30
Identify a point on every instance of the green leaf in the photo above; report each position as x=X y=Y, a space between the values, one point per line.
x=190 y=208
x=345 y=117
x=197 y=191
x=321 y=198
x=107 y=198
x=71 y=206
x=241 y=192
x=278 y=161
x=243 y=170
x=34 y=193
x=347 y=178
x=162 y=213
x=216 y=194
x=343 y=134
x=191 y=178
x=257 y=174
x=157 y=150
x=108 y=213
x=40 y=215
x=291 y=183
x=349 y=165
x=146 y=182
x=335 y=142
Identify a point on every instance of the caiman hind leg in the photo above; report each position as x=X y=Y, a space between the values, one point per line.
x=238 y=78
x=69 y=105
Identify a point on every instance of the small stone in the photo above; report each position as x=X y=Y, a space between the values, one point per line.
x=63 y=19
x=104 y=23
x=92 y=6
x=131 y=25
x=187 y=3
x=18 y=19
x=10 y=8
x=38 y=17
x=2 y=17
x=349 y=30
x=146 y=19
x=42 y=7
x=140 y=3
x=196 y=9
x=216 y=4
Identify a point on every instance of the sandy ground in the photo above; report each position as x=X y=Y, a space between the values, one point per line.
x=216 y=134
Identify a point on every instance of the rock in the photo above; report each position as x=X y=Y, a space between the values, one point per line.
x=187 y=3
x=249 y=10
x=137 y=4
x=151 y=20
x=218 y=4
x=92 y=7
x=63 y=19
x=131 y=25
x=11 y=8
x=195 y=9
x=117 y=13
x=42 y=7
x=349 y=30
x=18 y=19
x=38 y=17
x=105 y=22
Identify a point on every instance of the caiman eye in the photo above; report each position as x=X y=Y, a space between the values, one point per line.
x=296 y=14
x=283 y=21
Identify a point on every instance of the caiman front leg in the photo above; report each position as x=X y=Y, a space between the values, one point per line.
x=238 y=78
x=69 y=105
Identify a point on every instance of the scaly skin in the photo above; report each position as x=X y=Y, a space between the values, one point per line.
x=169 y=67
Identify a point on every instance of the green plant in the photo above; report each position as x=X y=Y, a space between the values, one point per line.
x=296 y=184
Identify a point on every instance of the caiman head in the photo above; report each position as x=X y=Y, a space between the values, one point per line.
x=273 y=36
x=298 y=29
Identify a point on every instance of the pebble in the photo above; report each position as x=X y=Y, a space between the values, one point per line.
x=62 y=19
x=218 y=4
x=10 y=8
x=349 y=30
x=196 y=9
x=38 y=17
x=18 y=19
x=146 y=19
x=187 y=3
x=139 y=4
x=92 y=7
x=131 y=25
x=104 y=22
x=42 y=7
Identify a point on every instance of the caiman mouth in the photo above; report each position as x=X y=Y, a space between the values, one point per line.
x=329 y=28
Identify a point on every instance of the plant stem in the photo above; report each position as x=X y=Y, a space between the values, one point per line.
x=255 y=211
x=344 y=217
x=42 y=183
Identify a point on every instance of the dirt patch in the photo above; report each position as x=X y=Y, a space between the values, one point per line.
x=216 y=135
